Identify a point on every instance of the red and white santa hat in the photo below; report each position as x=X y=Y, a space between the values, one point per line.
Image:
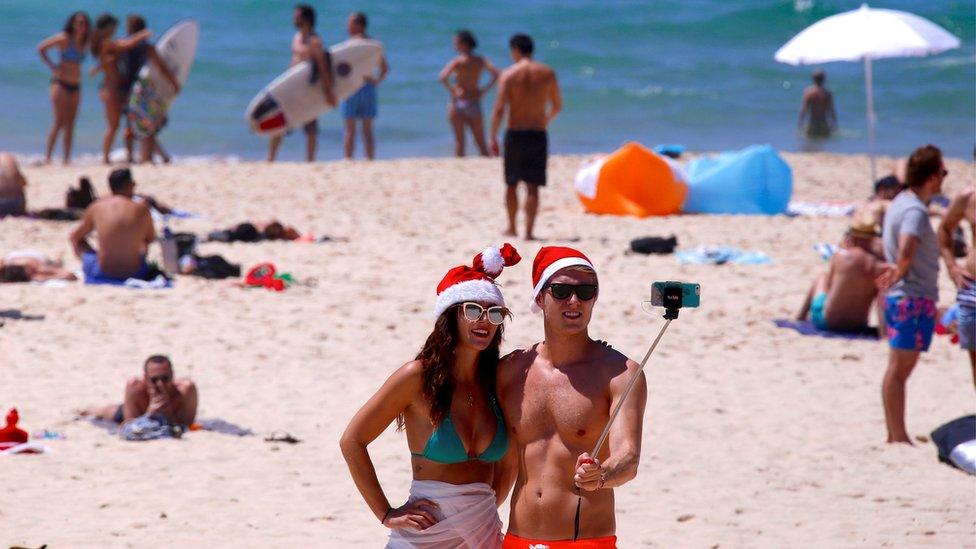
x=477 y=282
x=548 y=261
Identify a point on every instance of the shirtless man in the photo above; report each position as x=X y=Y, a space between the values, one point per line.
x=817 y=109
x=124 y=229
x=32 y=266
x=12 y=184
x=841 y=299
x=963 y=206
x=156 y=392
x=529 y=91
x=307 y=45
x=556 y=398
x=464 y=107
x=363 y=104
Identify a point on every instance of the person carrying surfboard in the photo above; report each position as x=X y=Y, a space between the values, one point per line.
x=556 y=398
x=529 y=92
x=307 y=46
x=362 y=104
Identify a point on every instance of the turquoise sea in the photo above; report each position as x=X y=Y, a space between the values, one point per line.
x=696 y=72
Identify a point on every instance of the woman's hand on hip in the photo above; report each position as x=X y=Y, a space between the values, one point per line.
x=414 y=515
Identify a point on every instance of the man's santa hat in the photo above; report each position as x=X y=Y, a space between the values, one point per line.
x=548 y=261
x=477 y=282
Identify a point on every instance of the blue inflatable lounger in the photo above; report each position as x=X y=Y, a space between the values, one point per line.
x=755 y=180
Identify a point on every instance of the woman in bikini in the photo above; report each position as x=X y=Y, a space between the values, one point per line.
x=445 y=401
x=464 y=107
x=65 y=90
x=107 y=52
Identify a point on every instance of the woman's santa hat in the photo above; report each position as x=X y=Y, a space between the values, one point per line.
x=477 y=282
x=548 y=261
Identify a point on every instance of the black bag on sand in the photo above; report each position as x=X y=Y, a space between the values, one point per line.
x=654 y=245
x=215 y=267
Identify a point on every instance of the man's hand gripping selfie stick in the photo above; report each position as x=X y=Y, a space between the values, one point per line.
x=670 y=313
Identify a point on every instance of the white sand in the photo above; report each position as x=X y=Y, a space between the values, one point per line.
x=754 y=436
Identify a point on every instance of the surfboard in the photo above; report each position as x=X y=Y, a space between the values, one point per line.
x=295 y=98
x=152 y=93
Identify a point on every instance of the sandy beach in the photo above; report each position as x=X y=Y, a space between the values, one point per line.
x=754 y=436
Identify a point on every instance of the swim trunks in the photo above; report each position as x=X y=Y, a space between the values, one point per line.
x=468 y=108
x=361 y=104
x=817 y=311
x=119 y=416
x=515 y=542
x=910 y=321
x=526 y=153
x=94 y=275
x=14 y=205
x=966 y=319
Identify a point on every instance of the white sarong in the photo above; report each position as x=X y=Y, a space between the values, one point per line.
x=467 y=517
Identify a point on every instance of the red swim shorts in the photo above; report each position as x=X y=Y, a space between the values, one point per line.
x=514 y=542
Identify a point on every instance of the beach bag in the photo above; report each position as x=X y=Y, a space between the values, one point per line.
x=215 y=267
x=654 y=245
x=956 y=443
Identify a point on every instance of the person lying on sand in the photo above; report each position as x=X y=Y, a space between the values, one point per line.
x=12 y=183
x=840 y=300
x=124 y=229
x=156 y=392
x=254 y=231
x=32 y=266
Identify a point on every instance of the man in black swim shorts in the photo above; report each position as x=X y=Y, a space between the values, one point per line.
x=528 y=90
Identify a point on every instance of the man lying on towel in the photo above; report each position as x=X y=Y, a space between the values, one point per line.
x=156 y=392
x=124 y=229
x=840 y=300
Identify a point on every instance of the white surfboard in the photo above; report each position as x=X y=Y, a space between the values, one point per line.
x=153 y=94
x=296 y=97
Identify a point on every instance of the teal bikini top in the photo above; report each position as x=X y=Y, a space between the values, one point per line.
x=445 y=446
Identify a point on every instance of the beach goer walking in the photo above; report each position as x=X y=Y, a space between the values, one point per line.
x=842 y=298
x=445 y=401
x=306 y=45
x=124 y=229
x=818 y=119
x=911 y=281
x=557 y=397
x=157 y=391
x=963 y=206
x=131 y=61
x=108 y=52
x=464 y=105
x=529 y=92
x=13 y=201
x=361 y=105
x=65 y=90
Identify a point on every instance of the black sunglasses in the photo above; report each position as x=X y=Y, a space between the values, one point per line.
x=561 y=291
x=160 y=379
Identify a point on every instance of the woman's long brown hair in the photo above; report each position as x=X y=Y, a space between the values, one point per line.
x=437 y=360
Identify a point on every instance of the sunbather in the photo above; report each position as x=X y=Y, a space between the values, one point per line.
x=254 y=231
x=156 y=392
x=32 y=266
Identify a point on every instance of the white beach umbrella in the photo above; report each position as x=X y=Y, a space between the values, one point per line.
x=866 y=34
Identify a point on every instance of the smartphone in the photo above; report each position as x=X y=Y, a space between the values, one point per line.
x=675 y=295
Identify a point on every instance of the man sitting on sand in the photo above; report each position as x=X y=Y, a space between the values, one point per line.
x=12 y=183
x=556 y=398
x=155 y=393
x=32 y=266
x=529 y=91
x=841 y=299
x=124 y=229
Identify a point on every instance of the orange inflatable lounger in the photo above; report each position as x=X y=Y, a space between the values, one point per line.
x=633 y=180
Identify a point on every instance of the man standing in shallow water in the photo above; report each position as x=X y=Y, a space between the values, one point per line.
x=556 y=398
x=817 y=109
x=529 y=91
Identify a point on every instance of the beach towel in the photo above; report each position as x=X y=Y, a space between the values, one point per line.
x=956 y=443
x=820 y=209
x=466 y=515
x=25 y=448
x=825 y=251
x=215 y=425
x=150 y=427
x=805 y=327
x=719 y=255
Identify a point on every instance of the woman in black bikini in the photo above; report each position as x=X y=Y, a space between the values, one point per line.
x=65 y=90
x=107 y=53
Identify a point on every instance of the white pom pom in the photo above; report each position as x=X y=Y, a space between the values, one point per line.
x=492 y=261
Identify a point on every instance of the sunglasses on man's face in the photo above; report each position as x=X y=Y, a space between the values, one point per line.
x=562 y=291
x=474 y=311
x=160 y=379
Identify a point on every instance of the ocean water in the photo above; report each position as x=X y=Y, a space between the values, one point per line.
x=695 y=72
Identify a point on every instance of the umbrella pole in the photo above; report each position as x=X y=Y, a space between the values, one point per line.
x=869 y=90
